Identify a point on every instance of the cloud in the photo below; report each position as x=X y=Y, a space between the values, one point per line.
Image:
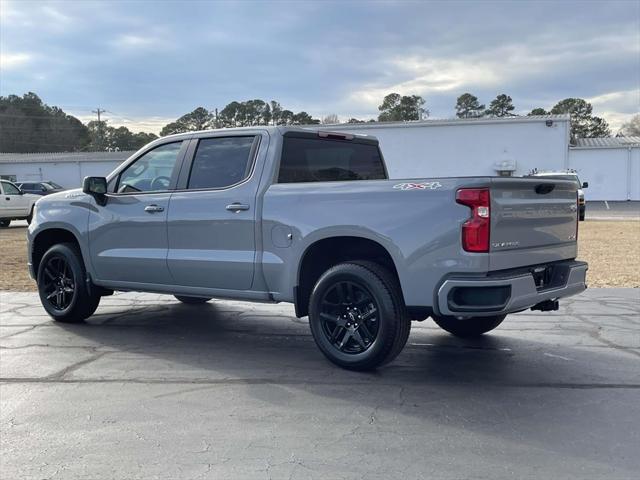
x=10 y=61
x=322 y=60
x=627 y=101
x=135 y=41
x=616 y=107
x=136 y=124
x=499 y=68
x=56 y=15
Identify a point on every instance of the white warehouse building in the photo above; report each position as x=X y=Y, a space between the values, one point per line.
x=430 y=148
x=507 y=145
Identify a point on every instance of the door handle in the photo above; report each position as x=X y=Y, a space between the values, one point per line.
x=236 y=207
x=153 y=209
x=7 y=198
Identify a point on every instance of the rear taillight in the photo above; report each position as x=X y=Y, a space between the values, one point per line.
x=476 y=230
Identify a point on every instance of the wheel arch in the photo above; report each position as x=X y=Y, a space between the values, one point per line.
x=46 y=238
x=326 y=252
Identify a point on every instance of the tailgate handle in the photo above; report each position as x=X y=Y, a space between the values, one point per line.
x=545 y=188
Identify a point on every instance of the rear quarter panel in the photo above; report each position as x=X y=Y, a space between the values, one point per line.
x=420 y=228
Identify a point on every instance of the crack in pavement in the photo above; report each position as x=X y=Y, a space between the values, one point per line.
x=57 y=378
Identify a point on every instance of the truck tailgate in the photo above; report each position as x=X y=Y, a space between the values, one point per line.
x=533 y=221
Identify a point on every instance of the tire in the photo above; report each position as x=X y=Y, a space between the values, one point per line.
x=5 y=223
x=30 y=217
x=61 y=274
x=345 y=294
x=192 y=300
x=469 y=327
x=583 y=211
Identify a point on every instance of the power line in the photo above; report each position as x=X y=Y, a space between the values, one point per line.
x=99 y=129
x=98 y=111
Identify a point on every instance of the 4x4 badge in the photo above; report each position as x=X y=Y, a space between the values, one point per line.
x=418 y=186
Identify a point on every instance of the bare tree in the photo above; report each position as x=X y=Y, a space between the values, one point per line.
x=331 y=119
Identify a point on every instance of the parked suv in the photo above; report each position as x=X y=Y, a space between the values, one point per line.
x=15 y=204
x=281 y=214
x=40 y=188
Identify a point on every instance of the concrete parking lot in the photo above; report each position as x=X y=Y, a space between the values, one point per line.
x=150 y=388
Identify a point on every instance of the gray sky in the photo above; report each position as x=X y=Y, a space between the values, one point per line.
x=148 y=62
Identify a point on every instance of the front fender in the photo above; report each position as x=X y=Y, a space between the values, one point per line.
x=62 y=212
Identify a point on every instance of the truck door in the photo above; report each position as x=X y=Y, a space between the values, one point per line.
x=13 y=202
x=212 y=216
x=128 y=235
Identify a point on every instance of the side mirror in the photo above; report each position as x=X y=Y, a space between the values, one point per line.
x=20 y=191
x=96 y=187
x=585 y=184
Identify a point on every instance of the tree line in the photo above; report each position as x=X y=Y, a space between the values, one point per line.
x=27 y=124
x=238 y=114
x=583 y=123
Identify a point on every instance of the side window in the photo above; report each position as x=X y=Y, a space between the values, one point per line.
x=221 y=162
x=10 y=189
x=327 y=160
x=152 y=172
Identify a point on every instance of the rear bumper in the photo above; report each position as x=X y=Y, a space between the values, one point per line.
x=508 y=291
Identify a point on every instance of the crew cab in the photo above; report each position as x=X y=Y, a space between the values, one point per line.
x=310 y=217
x=15 y=204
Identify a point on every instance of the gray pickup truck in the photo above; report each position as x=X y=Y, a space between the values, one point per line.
x=279 y=214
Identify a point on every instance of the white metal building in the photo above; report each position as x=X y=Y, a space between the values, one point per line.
x=66 y=169
x=430 y=148
x=489 y=146
x=610 y=165
x=468 y=147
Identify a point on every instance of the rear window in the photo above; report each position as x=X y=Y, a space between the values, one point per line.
x=323 y=160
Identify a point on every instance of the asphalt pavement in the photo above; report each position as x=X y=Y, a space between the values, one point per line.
x=599 y=210
x=153 y=389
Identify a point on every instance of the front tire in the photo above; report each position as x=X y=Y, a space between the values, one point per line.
x=62 y=285
x=357 y=315
x=469 y=327
x=30 y=217
x=5 y=223
x=192 y=300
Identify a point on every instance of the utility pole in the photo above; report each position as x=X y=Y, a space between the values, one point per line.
x=98 y=111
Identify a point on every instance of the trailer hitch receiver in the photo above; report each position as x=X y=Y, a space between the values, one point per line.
x=547 y=306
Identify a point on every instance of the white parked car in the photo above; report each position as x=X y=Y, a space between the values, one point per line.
x=15 y=204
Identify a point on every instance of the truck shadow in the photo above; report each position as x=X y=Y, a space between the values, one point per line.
x=534 y=392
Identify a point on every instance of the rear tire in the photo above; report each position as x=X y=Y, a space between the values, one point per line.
x=357 y=315
x=192 y=300
x=583 y=211
x=469 y=327
x=5 y=223
x=62 y=285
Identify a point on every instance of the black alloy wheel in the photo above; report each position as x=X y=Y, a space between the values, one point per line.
x=357 y=315
x=58 y=283
x=65 y=292
x=349 y=316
